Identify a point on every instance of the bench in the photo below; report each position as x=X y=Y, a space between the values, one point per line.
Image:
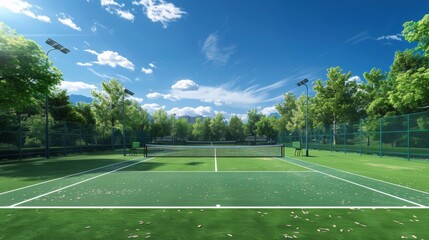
x=133 y=148
x=298 y=149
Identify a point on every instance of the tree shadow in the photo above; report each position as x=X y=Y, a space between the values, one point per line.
x=45 y=169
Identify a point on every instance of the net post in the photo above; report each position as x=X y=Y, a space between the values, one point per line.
x=282 y=150
x=145 y=150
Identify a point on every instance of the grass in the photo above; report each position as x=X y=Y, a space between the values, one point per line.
x=391 y=169
x=215 y=223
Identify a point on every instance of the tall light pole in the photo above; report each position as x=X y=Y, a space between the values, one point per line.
x=303 y=82
x=59 y=47
x=126 y=91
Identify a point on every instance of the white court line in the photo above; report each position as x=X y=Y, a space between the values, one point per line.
x=232 y=171
x=360 y=185
x=71 y=175
x=219 y=207
x=74 y=184
x=215 y=160
x=394 y=184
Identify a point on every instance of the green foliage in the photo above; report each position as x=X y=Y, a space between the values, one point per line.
x=235 y=129
x=61 y=109
x=412 y=92
x=181 y=128
x=161 y=124
x=335 y=98
x=218 y=127
x=286 y=111
x=266 y=127
x=25 y=71
x=297 y=120
x=252 y=118
x=418 y=32
x=197 y=129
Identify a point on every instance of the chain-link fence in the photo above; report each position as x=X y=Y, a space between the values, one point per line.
x=22 y=137
x=403 y=136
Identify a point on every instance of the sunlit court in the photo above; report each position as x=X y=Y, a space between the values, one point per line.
x=213 y=177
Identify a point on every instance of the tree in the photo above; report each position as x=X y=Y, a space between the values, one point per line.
x=218 y=127
x=198 y=129
x=181 y=128
x=297 y=121
x=334 y=101
x=266 y=127
x=160 y=126
x=25 y=71
x=87 y=113
x=62 y=109
x=418 y=32
x=235 y=129
x=252 y=118
x=286 y=111
x=374 y=94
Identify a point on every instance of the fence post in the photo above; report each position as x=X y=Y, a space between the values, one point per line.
x=360 y=133
x=65 y=138
x=19 y=138
x=344 y=141
x=381 y=137
x=408 y=136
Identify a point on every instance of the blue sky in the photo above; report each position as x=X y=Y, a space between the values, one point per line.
x=202 y=57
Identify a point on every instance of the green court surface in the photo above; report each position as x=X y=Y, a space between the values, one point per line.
x=201 y=182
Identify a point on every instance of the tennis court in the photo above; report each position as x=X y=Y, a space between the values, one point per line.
x=171 y=179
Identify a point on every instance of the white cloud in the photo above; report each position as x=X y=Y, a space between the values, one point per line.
x=23 y=7
x=190 y=111
x=101 y=75
x=76 y=86
x=147 y=70
x=160 y=11
x=268 y=110
x=84 y=64
x=68 y=21
x=214 y=53
x=111 y=58
x=152 y=65
x=396 y=37
x=115 y=8
x=138 y=100
x=96 y=26
x=110 y=3
x=185 y=85
x=155 y=95
x=152 y=107
x=356 y=79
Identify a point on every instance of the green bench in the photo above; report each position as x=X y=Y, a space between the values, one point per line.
x=298 y=148
x=133 y=149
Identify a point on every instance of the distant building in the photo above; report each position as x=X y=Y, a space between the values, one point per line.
x=191 y=120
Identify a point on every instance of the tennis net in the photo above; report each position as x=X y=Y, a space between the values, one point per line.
x=152 y=150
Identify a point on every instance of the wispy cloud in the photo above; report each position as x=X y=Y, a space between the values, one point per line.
x=96 y=26
x=23 y=7
x=160 y=11
x=101 y=75
x=219 y=95
x=109 y=58
x=362 y=36
x=76 y=86
x=395 y=37
x=115 y=8
x=84 y=64
x=214 y=52
x=68 y=21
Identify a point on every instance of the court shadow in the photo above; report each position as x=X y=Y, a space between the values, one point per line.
x=46 y=169
x=194 y=163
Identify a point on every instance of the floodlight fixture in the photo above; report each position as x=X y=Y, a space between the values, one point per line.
x=57 y=46
x=128 y=92
x=304 y=81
